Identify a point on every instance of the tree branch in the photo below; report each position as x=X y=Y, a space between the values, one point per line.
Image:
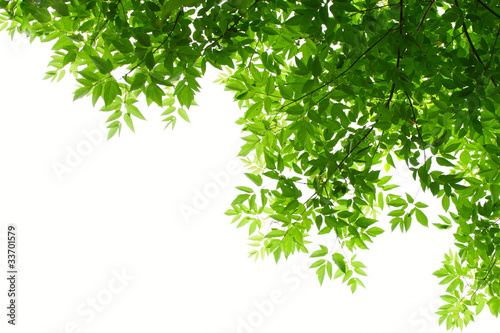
x=96 y=34
x=473 y=48
x=373 y=8
x=488 y=8
x=493 y=49
x=399 y=52
x=337 y=167
x=341 y=74
x=364 y=53
x=446 y=46
x=425 y=15
x=480 y=281
x=415 y=118
x=164 y=41
x=233 y=25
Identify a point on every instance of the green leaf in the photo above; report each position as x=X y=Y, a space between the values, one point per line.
x=133 y=110
x=334 y=222
x=332 y=94
x=112 y=132
x=41 y=14
x=149 y=60
x=128 y=121
x=183 y=114
x=321 y=274
x=445 y=202
x=96 y=93
x=390 y=161
x=143 y=38
x=374 y=231
x=317 y=263
x=111 y=90
x=244 y=189
x=320 y=253
x=114 y=116
x=448 y=298
x=338 y=259
x=60 y=7
x=275 y=233
x=421 y=218
x=256 y=179
x=444 y=162
x=138 y=82
x=81 y=92
x=155 y=94
x=494 y=305
x=421 y=205
x=104 y=66
x=316 y=67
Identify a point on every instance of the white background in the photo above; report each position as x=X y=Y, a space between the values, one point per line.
x=117 y=213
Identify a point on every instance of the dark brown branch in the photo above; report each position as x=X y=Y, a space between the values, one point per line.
x=488 y=8
x=464 y=29
x=474 y=51
x=388 y=103
x=401 y=19
x=415 y=118
x=493 y=49
x=425 y=15
x=473 y=48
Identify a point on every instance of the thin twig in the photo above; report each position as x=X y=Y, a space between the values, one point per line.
x=157 y=48
x=373 y=8
x=337 y=167
x=493 y=263
x=124 y=12
x=451 y=41
x=233 y=25
x=341 y=74
x=335 y=78
x=366 y=51
x=97 y=32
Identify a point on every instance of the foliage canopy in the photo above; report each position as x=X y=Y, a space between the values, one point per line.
x=333 y=93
